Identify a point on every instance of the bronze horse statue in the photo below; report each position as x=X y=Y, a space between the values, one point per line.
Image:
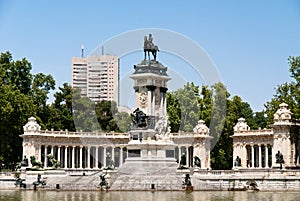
x=150 y=47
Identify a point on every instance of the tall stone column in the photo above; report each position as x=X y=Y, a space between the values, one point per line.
x=39 y=148
x=179 y=153
x=161 y=107
x=45 y=157
x=266 y=156
x=52 y=150
x=96 y=156
x=252 y=155
x=80 y=157
x=113 y=153
x=149 y=102
x=89 y=157
x=104 y=156
x=66 y=157
x=259 y=156
x=165 y=104
x=58 y=153
x=121 y=157
x=187 y=156
x=153 y=103
x=73 y=157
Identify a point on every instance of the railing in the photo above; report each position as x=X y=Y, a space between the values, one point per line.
x=81 y=133
x=251 y=171
x=255 y=132
x=186 y=134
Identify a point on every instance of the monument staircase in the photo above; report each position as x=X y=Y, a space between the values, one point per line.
x=148 y=176
x=68 y=182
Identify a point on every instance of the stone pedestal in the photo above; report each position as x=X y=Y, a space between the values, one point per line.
x=144 y=147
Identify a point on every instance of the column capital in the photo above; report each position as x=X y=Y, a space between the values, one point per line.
x=163 y=89
x=151 y=87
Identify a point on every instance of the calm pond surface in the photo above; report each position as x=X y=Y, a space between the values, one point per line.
x=14 y=195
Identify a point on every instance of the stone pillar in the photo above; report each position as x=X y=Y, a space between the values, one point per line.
x=97 y=156
x=149 y=102
x=89 y=157
x=259 y=156
x=113 y=154
x=266 y=156
x=153 y=103
x=165 y=104
x=52 y=150
x=66 y=157
x=187 y=156
x=45 y=157
x=80 y=157
x=179 y=154
x=104 y=156
x=39 y=148
x=161 y=107
x=73 y=157
x=121 y=157
x=252 y=155
x=58 y=153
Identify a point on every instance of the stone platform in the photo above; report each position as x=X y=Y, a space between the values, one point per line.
x=148 y=175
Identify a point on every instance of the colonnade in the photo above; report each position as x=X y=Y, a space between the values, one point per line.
x=188 y=151
x=79 y=157
x=258 y=155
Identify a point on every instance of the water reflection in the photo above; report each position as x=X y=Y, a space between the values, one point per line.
x=11 y=195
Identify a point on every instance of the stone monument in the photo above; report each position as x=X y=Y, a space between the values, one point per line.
x=150 y=140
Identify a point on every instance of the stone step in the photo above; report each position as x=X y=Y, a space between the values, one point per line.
x=142 y=176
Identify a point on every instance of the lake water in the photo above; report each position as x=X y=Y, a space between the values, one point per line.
x=14 y=195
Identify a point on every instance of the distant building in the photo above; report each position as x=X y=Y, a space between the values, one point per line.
x=97 y=77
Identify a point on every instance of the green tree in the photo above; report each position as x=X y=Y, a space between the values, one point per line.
x=174 y=112
x=123 y=121
x=22 y=95
x=288 y=92
x=187 y=98
x=105 y=112
x=61 y=112
x=15 y=108
x=84 y=114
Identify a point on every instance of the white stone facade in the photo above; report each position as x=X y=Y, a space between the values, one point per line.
x=88 y=150
x=258 y=148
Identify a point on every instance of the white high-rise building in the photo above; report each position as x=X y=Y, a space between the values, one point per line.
x=97 y=77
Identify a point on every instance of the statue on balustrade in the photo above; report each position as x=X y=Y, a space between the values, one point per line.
x=237 y=162
x=279 y=158
x=54 y=163
x=35 y=164
x=110 y=165
x=23 y=163
x=197 y=161
x=182 y=162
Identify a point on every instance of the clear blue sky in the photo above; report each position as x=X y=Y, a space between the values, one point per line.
x=249 y=42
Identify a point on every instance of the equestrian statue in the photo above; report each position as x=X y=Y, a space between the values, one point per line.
x=150 y=47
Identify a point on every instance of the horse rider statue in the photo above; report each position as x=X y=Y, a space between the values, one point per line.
x=150 y=47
